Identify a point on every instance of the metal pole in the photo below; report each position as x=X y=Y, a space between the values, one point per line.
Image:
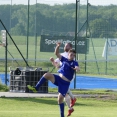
x=14 y=43
x=106 y=51
x=10 y=15
x=6 y=61
x=86 y=37
x=78 y=25
x=107 y=46
x=36 y=33
x=28 y=28
x=10 y=19
x=11 y=55
x=35 y=48
x=87 y=17
x=75 y=41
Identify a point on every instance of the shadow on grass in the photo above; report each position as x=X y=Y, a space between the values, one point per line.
x=44 y=100
x=49 y=101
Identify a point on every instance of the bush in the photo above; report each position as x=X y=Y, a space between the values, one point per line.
x=3 y=87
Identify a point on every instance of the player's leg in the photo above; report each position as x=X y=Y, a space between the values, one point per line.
x=67 y=100
x=62 y=89
x=61 y=104
x=73 y=99
x=46 y=76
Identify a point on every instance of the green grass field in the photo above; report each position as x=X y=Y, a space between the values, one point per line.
x=48 y=107
x=99 y=103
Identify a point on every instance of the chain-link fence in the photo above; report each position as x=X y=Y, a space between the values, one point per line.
x=27 y=20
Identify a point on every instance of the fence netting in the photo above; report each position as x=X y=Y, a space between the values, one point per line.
x=27 y=20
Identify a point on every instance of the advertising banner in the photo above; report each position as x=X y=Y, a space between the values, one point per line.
x=110 y=48
x=48 y=43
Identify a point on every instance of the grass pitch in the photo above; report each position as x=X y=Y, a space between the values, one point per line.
x=48 y=107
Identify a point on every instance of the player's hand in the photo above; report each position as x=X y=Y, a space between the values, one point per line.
x=75 y=69
x=51 y=59
x=58 y=44
x=57 y=65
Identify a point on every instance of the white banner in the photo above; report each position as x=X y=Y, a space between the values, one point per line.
x=110 y=48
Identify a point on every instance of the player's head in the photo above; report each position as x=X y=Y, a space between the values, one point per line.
x=67 y=47
x=71 y=54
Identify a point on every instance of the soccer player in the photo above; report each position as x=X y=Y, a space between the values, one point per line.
x=66 y=72
x=69 y=98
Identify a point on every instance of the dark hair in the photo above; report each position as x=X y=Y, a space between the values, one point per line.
x=70 y=44
x=72 y=50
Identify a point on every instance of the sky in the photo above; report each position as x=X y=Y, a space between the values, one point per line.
x=52 y=2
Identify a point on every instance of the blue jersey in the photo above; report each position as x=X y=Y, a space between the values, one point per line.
x=66 y=68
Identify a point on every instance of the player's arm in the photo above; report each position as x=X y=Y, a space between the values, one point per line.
x=77 y=68
x=57 y=51
x=54 y=63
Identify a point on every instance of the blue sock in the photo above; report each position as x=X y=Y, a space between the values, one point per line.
x=40 y=82
x=61 y=109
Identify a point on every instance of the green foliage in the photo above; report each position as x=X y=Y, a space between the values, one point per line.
x=61 y=18
x=3 y=88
